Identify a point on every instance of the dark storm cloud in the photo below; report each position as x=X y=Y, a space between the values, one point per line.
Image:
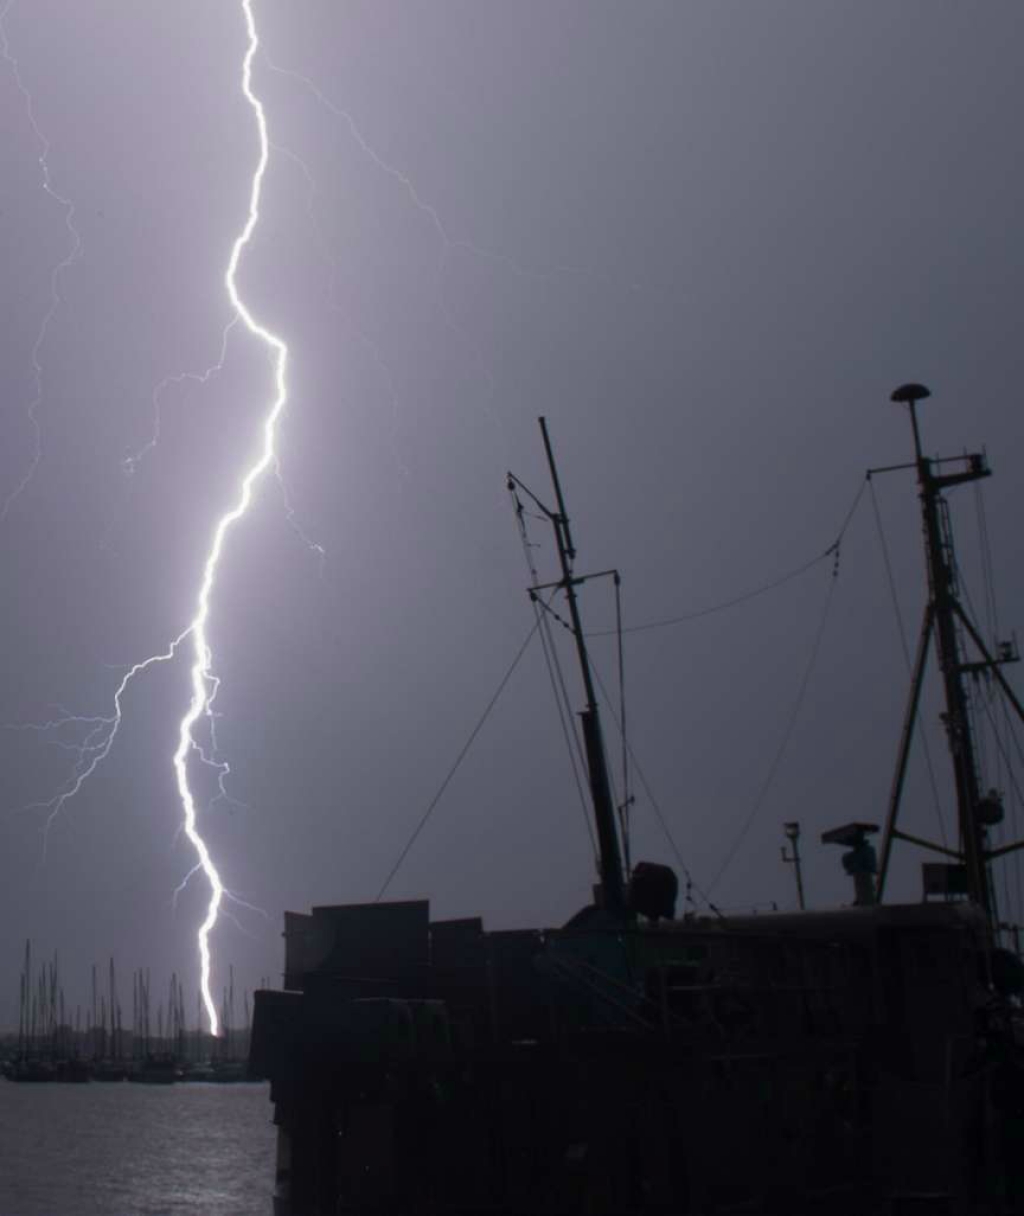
x=705 y=240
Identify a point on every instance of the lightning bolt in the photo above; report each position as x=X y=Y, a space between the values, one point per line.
x=101 y=731
x=204 y=683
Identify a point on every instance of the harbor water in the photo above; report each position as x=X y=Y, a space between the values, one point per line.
x=135 y=1150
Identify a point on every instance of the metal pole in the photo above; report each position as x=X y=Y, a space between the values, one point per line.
x=909 y=720
x=792 y=831
x=943 y=600
x=612 y=881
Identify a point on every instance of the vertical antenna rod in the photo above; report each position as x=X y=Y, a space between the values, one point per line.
x=604 y=815
x=792 y=831
x=945 y=609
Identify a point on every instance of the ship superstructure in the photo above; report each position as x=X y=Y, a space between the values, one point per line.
x=854 y=1061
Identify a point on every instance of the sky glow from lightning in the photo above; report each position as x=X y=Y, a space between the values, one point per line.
x=97 y=733
x=196 y=735
x=447 y=246
x=100 y=731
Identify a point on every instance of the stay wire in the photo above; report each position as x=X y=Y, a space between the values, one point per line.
x=902 y=629
x=627 y=797
x=1005 y=754
x=564 y=708
x=1011 y=775
x=691 y=883
x=746 y=596
x=458 y=761
x=1015 y=820
x=991 y=613
x=787 y=733
x=542 y=611
x=720 y=607
x=987 y=565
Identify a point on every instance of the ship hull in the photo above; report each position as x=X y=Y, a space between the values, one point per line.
x=851 y=1062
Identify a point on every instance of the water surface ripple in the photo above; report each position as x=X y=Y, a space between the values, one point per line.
x=135 y=1150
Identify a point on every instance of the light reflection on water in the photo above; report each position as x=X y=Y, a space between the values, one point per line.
x=135 y=1150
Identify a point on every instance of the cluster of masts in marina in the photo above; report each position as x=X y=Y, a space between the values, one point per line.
x=55 y=1043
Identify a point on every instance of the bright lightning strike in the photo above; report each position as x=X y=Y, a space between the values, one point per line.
x=204 y=683
x=101 y=731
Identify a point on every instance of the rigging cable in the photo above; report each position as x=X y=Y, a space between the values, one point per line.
x=906 y=654
x=690 y=882
x=992 y=611
x=627 y=797
x=1005 y=756
x=763 y=589
x=563 y=706
x=542 y=611
x=1015 y=819
x=992 y=624
x=788 y=732
x=458 y=761
x=972 y=694
x=987 y=566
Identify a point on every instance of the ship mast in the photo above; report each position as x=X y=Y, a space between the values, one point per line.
x=944 y=618
x=612 y=878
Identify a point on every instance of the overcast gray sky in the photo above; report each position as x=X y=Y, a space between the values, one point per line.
x=706 y=240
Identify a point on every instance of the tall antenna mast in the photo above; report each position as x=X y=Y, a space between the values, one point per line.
x=943 y=618
x=612 y=878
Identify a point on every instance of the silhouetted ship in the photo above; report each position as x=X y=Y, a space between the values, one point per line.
x=858 y=1061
